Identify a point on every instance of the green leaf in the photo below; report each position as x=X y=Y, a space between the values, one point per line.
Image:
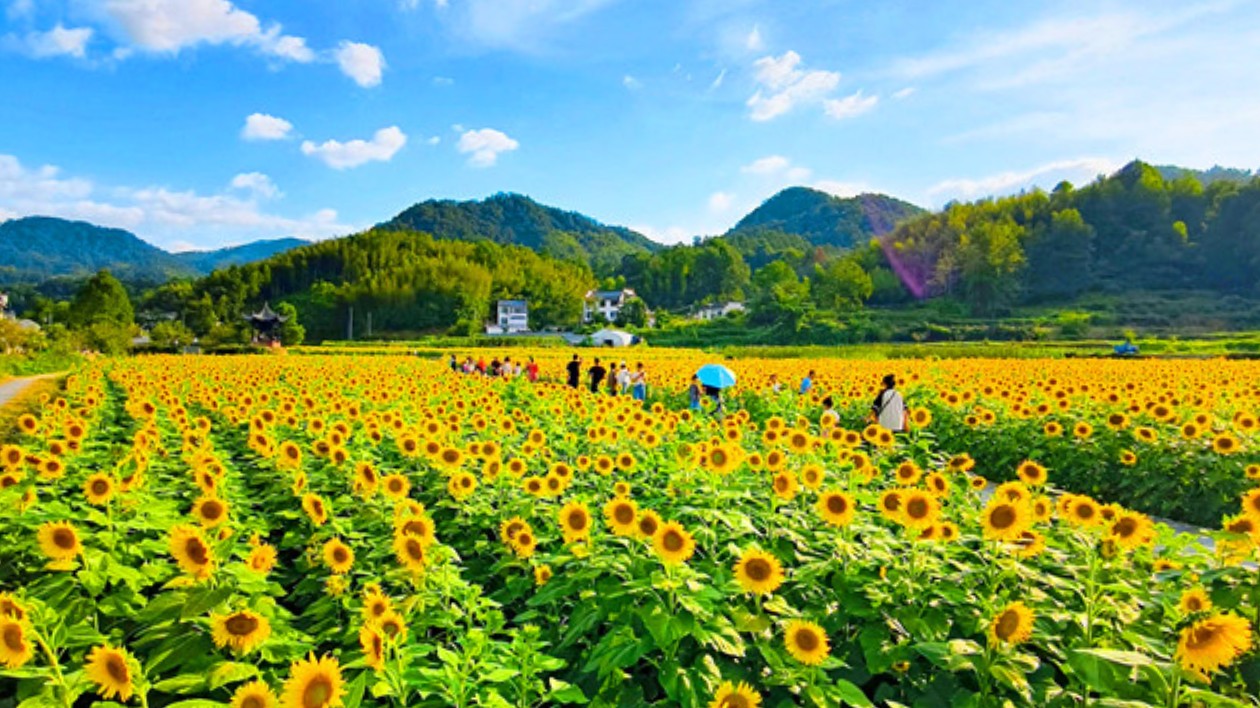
x=354 y=692
x=561 y=692
x=230 y=672
x=184 y=683
x=1115 y=656
x=851 y=694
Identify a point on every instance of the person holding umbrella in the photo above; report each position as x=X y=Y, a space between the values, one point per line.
x=715 y=378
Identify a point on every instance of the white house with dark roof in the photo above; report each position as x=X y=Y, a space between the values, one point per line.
x=511 y=317
x=605 y=305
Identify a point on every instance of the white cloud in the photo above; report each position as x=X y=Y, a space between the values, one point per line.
x=260 y=126
x=521 y=25
x=850 y=106
x=753 y=42
x=158 y=213
x=443 y=81
x=5 y=215
x=782 y=86
x=777 y=166
x=717 y=83
x=667 y=234
x=843 y=190
x=1005 y=182
x=434 y=140
x=57 y=41
x=768 y=165
x=167 y=26
x=361 y=62
x=720 y=202
x=340 y=156
x=631 y=83
x=485 y=145
x=256 y=183
x=903 y=93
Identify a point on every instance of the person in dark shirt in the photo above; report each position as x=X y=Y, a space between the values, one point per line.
x=574 y=368
x=597 y=376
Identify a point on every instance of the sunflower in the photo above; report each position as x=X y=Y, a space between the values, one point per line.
x=314 y=683
x=812 y=476
x=890 y=504
x=396 y=486
x=785 y=485
x=1004 y=520
x=1012 y=492
x=807 y=642
x=366 y=479
x=1042 y=509
x=907 y=473
x=510 y=527
x=673 y=544
x=524 y=543
x=1145 y=434
x=1251 y=505
x=1128 y=458
x=919 y=510
x=647 y=524
x=316 y=509
x=937 y=484
x=10 y=607
x=1031 y=473
x=836 y=508
x=1225 y=444
x=1053 y=429
x=410 y=552
x=373 y=644
x=533 y=486
x=338 y=556
x=730 y=695
x=210 y=511
x=110 y=669
x=575 y=522
x=1194 y=601
x=542 y=574
x=1214 y=642
x=1082 y=430
x=1029 y=544
x=255 y=694
x=758 y=572
x=242 y=630
x=99 y=489
x=261 y=558
x=16 y=648
x=1083 y=512
x=191 y=551
x=621 y=514
x=419 y=526
x=1130 y=529
x=947 y=531
x=392 y=626
x=725 y=459
x=59 y=541
x=375 y=605
x=1013 y=625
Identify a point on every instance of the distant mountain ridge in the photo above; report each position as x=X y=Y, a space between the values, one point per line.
x=1206 y=177
x=36 y=248
x=823 y=219
x=515 y=219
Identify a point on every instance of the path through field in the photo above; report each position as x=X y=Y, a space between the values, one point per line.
x=12 y=388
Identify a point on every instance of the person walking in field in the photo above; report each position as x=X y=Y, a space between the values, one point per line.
x=597 y=374
x=807 y=383
x=638 y=383
x=889 y=407
x=830 y=418
x=574 y=369
x=531 y=370
x=694 y=393
x=624 y=378
x=775 y=386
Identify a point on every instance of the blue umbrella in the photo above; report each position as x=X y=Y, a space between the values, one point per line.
x=716 y=375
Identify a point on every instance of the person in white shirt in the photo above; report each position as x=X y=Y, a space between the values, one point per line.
x=623 y=379
x=830 y=418
x=889 y=408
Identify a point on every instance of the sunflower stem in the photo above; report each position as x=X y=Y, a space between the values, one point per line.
x=55 y=666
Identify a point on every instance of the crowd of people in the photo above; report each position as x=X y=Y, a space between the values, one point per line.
x=888 y=409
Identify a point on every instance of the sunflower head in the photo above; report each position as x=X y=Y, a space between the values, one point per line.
x=1012 y=625
x=673 y=543
x=758 y=572
x=1194 y=601
x=730 y=695
x=112 y=670
x=16 y=646
x=59 y=541
x=338 y=556
x=1213 y=642
x=836 y=508
x=255 y=694
x=314 y=683
x=242 y=631
x=807 y=642
x=191 y=552
x=621 y=514
x=575 y=522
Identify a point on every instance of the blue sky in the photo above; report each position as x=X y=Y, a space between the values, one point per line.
x=201 y=123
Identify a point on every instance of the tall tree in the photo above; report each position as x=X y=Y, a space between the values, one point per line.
x=102 y=300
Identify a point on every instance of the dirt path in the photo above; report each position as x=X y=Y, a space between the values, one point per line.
x=13 y=387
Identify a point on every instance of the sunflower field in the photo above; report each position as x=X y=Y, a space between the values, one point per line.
x=349 y=530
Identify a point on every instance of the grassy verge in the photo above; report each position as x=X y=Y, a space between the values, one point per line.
x=28 y=401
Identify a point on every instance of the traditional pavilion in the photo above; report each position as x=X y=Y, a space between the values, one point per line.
x=266 y=323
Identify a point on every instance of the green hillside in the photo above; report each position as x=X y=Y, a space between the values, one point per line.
x=825 y=220
x=37 y=248
x=514 y=219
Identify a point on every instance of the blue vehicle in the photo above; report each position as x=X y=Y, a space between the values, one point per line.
x=1126 y=349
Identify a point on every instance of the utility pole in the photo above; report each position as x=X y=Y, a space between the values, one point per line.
x=350 y=325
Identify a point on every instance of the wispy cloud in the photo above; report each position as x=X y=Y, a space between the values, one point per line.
x=385 y=143
x=783 y=85
x=1006 y=182
x=484 y=146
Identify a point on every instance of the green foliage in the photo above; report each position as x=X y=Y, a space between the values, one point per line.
x=841 y=285
x=633 y=314
x=292 y=333
x=101 y=300
x=170 y=335
x=36 y=248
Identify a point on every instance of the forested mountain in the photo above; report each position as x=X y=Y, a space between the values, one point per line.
x=40 y=248
x=37 y=248
x=402 y=280
x=1208 y=176
x=1131 y=230
x=207 y=261
x=825 y=220
x=518 y=220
